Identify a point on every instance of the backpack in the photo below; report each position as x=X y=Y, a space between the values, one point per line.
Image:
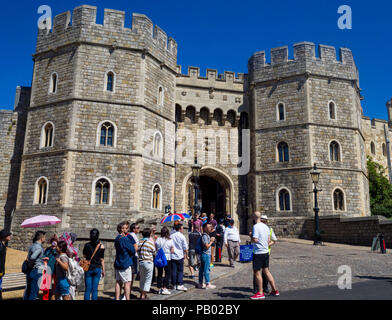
x=160 y=260
x=75 y=273
x=199 y=245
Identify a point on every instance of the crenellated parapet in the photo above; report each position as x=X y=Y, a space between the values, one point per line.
x=82 y=28
x=226 y=81
x=305 y=61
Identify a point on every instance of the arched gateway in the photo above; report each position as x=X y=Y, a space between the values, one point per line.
x=216 y=193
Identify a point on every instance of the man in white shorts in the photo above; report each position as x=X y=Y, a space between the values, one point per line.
x=123 y=263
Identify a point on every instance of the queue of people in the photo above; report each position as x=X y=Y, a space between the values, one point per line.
x=58 y=270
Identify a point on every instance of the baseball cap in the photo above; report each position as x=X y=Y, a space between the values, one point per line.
x=264 y=217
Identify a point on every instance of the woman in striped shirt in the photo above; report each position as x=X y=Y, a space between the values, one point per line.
x=146 y=262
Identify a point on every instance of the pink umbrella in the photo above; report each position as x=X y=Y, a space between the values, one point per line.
x=40 y=221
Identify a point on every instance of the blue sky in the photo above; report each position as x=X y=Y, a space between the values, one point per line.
x=222 y=35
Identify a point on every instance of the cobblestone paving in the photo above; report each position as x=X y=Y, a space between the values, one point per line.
x=295 y=266
x=300 y=266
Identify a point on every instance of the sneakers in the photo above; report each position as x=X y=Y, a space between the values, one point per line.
x=165 y=292
x=201 y=286
x=181 y=288
x=274 y=293
x=210 y=286
x=258 y=296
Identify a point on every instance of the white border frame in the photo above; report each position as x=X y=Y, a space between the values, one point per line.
x=35 y=199
x=106 y=81
x=277 y=199
x=92 y=200
x=340 y=151
x=284 y=111
x=42 y=139
x=344 y=200
x=50 y=89
x=98 y=139
x=152 y=196
x=335 y=111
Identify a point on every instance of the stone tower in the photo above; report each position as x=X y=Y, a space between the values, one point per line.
x=304 y=111
x=102 y=108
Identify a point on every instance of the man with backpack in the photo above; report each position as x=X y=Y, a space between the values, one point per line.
x=203 y=247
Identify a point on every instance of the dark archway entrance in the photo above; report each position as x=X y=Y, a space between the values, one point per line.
x=212 y=196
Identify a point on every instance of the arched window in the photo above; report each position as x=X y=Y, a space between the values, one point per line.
x=283 y=152
x=332 y=110
x=338 y=200
x=231 y=115
x=334 y=151
x=372 y=148
x=53 y=83
x=41 y=191
x=205 y=115
x=110 y=78
x=281 y=112
x=190 y=114
x=284 y=200
x=384 y=150
x=160 y=96
x=107 y=134
x=102 y=191
x=156 y=197
x=47 y=134
x=218 y=116
x=157 y=145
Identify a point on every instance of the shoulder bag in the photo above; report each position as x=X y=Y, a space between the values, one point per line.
x=84 y=263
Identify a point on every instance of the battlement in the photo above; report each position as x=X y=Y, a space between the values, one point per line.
x=305 y=60
x=83 y=28
x=226 y=81
x=212 y=74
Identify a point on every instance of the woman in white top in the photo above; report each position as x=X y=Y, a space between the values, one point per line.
x=166 y=244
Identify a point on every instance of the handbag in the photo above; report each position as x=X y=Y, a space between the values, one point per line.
x=84 y=263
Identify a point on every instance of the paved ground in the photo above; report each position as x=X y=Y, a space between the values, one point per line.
x=302 y=271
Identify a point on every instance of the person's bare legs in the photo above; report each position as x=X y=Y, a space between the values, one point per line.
x=191 y=270
x=270 y=278
x=118 y=289
x=68 y=297
x=127 y=289
x=259 y=281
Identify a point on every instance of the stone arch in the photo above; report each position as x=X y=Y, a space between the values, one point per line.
x=222 y=178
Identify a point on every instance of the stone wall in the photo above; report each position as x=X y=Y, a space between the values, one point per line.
x=354 y=231
x=12 y=131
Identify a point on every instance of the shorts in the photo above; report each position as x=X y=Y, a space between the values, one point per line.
x=194 y=258
x=260 y=261
x=62 y=286
x=135 y=261
x=124 y=275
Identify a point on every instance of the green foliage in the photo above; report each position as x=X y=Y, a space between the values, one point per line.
x=380 y=190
